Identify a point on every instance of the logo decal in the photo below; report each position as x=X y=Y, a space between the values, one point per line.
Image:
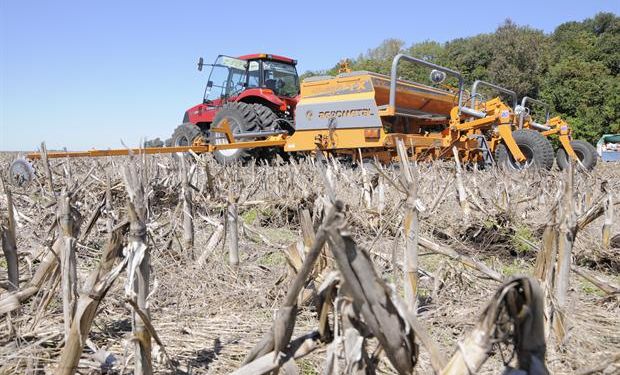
x=345 y=113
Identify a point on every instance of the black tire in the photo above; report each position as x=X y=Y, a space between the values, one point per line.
x=241 y=118
x=585 y=152
x=185 y=134
x=536 y=148
x=266 y=117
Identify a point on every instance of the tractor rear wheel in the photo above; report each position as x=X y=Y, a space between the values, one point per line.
x=584 y=151
x=241 y=118
x=537 y=149
x=266 y=117
x=185 y=134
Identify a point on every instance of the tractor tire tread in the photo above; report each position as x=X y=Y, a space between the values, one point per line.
x=266 y=117
x=187 y=130
x=251 y=121
x=590 y=156
x=541 y=147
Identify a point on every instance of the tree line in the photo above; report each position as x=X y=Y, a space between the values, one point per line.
x=575 y=69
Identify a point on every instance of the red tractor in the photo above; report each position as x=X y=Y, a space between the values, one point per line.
x=256 y=93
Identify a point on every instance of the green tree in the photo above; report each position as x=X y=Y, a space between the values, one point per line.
x=519 y=58
x=583 y=83
x=576 y=69
x=471 y=56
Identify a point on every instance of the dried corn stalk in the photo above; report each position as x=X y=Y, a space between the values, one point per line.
x=411 y=227
x=9 y=244
x=95 y=289
x=514 y=317
x=138 y=269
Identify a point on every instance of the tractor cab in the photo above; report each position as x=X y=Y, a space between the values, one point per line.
x=230 y=76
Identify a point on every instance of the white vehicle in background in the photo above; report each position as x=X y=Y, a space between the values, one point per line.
x=608 y=147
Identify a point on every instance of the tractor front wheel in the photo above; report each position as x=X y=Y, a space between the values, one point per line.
x=537 y=149
x=585 y=152
x=185 y=134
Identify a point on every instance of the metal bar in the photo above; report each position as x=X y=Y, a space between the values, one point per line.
x=539 y=102
x=259 y=134
x=540 y=126
x=244 y=145
x=118 y=152
x=159 y=150
x=478 y=82
x=473 y=112
x=394 y=75
x=476 y=124
x=415 y=113
x=224 y=127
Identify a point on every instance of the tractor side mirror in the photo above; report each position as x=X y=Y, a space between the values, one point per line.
x=200 y=64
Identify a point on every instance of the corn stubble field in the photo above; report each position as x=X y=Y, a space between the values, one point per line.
x=320 y=260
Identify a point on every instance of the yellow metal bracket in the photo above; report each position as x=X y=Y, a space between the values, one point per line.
x=561 y=127
x=505 y=132
x=565 y=141
x=223 y=127
x=387 y=110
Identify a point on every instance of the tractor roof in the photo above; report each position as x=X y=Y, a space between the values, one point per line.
x=268 y=56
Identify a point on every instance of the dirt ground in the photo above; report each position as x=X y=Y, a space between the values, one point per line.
x=209 y=314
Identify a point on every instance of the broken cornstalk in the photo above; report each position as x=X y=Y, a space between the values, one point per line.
x=188 y=208
x=67 y=230
x=410 y=227
x=137 y=287
x=460 y=187
x=9 y=244
x=95 y=289
x=566 y=236
x=609 y=217
x=232 y=229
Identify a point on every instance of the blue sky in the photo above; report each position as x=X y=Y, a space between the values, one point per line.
x=83 y=74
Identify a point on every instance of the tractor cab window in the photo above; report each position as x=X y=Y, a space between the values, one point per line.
x=228 y=77
x=236 y=82
x=253 y=74
x=281 y=78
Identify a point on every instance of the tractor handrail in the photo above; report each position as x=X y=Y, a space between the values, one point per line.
x=539 y=102
x=394 y=75
x=504 y=90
